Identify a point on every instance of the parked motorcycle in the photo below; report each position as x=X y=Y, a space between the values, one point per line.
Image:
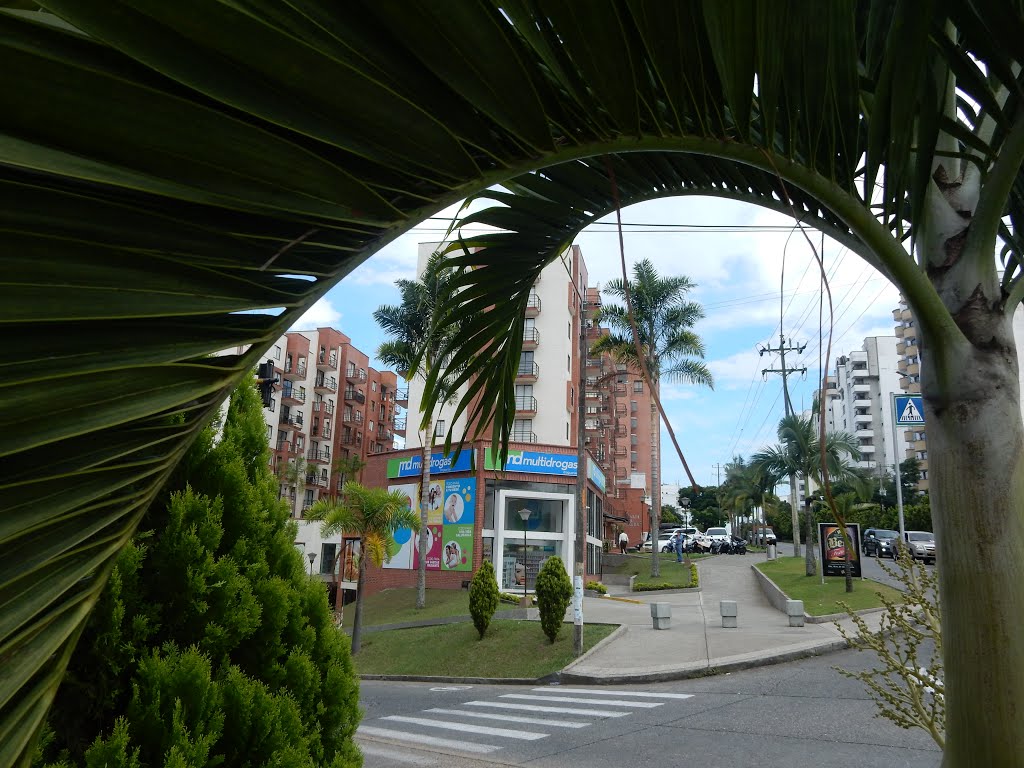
x=738 y=546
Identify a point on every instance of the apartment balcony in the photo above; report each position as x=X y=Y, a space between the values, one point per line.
x=386 y=435
x=355 y=375
x=913 y=369
x=523 y=436
x=866 y=450
x=402 y=396
x=593 y=362
x=832 y=391
x=354 y=417
x=620 y=450
x=912 y=349
x=901 y=347
x=350 y=438
x=325 y=407
x=533 y=305
x=527 y=373
x=295 y=372
x=862 y=418
x=898 y=332
x=905 y=383
x=283 y=446
x=861 y=402
x=400 y=426
x=526 y=404
x=293 y=420
x=897 y=314
x=293 y=396
x=327 y=361
x=318 y=456
x=317 y=481
x=861 y=389
x=592 y=394
x=864 y=433
x=920 y=445
x=323 y=431
x=324 y=384
x=531 y=338
x=353 y=395
x=620 y=408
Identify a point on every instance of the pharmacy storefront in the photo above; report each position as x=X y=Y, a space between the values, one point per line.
x=516 y=515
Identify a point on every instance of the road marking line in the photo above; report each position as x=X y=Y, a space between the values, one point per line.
x=486 y=730
x=619 y=693
x=574 y=700
x=426 y=741
x=511 y=718
x=396 y=755
x=537 y=708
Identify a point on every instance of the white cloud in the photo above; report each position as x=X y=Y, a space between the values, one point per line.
x=322 y=314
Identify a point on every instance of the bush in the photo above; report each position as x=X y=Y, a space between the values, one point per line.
x=554 y=591
x=508 y=597
x=596 y=586
x=642 y=586
x=483 y=597
x=210 y=643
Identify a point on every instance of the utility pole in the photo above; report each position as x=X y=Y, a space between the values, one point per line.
x=719 y=468
x=782 y=349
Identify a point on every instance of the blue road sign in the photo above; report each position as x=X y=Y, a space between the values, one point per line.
x=908 y=410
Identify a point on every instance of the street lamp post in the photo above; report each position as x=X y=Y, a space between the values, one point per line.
x=524 y=514
x=312 y=557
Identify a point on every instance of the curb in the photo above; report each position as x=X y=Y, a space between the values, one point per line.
x=693 y=671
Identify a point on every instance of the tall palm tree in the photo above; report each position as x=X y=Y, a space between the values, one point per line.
x=892 y=126
x=749 y=484
x=373 y=513
x=420 y=326
x=663 y=319
x=799 y=452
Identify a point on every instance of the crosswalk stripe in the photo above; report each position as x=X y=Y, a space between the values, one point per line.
x=511 y=718
x=485 y=730
x=538 y=708
x=426 y=741
x=574 y=700
x=619 y=693
x=396 y=755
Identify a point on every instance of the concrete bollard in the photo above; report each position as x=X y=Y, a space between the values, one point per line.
x=729 y=613
x=661 y=613
x=772 y=552
x=795 y=611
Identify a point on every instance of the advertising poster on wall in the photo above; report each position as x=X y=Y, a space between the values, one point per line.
x=403 y=542
x=451 y=513
x=833 y=549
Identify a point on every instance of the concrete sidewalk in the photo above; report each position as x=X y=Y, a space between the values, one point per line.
x=697 y=644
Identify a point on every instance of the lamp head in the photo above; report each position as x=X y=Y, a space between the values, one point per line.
x=524 y=514
x=312 y=557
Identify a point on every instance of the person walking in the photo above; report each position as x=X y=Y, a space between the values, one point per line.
x=680 y=543
x=623 y=542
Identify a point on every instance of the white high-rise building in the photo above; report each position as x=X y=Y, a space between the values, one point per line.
x=549 y=373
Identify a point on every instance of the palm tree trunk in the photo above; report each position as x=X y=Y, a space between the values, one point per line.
x=796 y=515
x=357 y=624
x=811 y=565
x=976 y=473
x=421 y=571
x=655 y=489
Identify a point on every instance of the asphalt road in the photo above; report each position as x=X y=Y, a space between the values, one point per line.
x=798 y=714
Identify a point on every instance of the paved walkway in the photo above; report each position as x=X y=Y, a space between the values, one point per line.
x=697 y=644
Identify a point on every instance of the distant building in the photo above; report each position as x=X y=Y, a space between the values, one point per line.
x=327 y=407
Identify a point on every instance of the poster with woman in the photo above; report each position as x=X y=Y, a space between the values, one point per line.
x=434 y=535
x=403 y=542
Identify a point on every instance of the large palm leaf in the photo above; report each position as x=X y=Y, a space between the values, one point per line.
x=177 y=179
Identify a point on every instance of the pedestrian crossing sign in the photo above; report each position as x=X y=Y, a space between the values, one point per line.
x=908 y=410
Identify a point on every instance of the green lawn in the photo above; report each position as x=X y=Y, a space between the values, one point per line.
x=673 y=575
x=394 y=606
x=822 y=599
x=509 y=649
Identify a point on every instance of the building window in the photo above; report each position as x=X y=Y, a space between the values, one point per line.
x=568 y=329
x=328 y=556
x=572 y=396
x=568 y=363
x=277 y=353
x=371 y=427
x=270 y=432
x=638 y=386
x=632 y=422
x=567 y=430
x=439 y=430
x=633 y=407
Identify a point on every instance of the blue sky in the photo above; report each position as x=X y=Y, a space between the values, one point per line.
x=734 y=252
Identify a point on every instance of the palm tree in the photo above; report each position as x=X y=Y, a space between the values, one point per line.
x=749 y=484
x=663 y=319
x=373 y=513
x=345 y=467
x=895 y=129
x=419 y=328
x=799 y=452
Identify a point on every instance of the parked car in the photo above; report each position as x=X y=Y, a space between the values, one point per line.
x=645 y=545
x=762 y=537
x=667 y=540
x=920 y=545
x=880 y=542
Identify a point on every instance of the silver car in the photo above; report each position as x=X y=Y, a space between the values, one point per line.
x=920 y=545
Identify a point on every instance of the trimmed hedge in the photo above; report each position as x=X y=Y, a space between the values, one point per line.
x=554 y=591
x=640 y=586
x=483 y=597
